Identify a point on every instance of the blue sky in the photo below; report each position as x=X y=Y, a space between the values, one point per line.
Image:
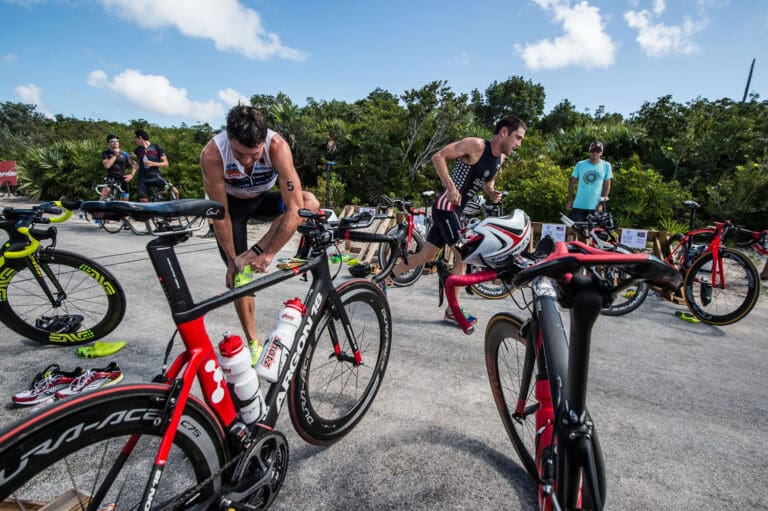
x=174 y=61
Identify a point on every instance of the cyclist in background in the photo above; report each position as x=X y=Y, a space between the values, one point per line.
x=240 y=165
x=476 y=162
x=116 y=161
x=151 y=158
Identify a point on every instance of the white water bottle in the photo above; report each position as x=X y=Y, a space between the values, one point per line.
x=280 y=340
x=235 y=360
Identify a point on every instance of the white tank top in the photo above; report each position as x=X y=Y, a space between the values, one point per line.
x=241 y=184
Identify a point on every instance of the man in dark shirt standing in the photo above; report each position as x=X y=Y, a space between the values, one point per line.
x=116 y=161
x=151 y=158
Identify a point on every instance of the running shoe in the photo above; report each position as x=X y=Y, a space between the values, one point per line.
x=46 y=384
x=92 y=379
x=256 y=348
x=450 y=318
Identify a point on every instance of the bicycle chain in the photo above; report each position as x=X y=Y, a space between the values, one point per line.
x=182 y=499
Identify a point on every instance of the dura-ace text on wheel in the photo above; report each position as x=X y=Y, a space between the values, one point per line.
x=330 y=391
x=77 y=447
x=86 y=301
x=720 y=304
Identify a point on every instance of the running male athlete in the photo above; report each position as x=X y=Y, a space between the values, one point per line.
x=240 y=165
x=476 y=163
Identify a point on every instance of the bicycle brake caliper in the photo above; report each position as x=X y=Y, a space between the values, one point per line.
x=170 y=403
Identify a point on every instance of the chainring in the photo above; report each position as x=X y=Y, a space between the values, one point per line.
x=259 y=475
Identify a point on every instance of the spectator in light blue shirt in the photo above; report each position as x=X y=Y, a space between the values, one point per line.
x=593 y=177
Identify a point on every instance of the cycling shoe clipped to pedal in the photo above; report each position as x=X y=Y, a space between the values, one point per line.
x=259 y=475
x=66 y=324
x=690 y=318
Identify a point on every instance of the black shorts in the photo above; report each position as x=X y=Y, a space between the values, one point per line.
x=446 y=228
x=268 y=204
x=580 y=215
x=144 y=183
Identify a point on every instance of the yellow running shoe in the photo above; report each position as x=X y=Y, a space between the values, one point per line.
x=256 y=348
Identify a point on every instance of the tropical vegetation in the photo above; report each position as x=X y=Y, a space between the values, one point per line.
x=715 y=152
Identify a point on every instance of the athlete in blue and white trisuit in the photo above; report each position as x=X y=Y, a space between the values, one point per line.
x=476 y=163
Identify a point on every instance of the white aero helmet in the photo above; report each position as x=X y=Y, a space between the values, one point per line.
x=494 y=242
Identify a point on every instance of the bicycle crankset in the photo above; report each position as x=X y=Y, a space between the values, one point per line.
x=258 y=476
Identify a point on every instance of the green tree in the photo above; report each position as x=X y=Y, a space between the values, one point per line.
x=22 y=127
x=741 y=196
x=515 y=95
x=563 y=117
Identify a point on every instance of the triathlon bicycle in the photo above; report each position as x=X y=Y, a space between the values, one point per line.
x=539 y=377
x=114 y=443
x=118 y=190
x=598 y=231
x=51 y=295
x=721 y=285
x=412 y=242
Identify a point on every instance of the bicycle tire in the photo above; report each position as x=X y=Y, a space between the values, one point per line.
x=163 y=224
x=491 y=290
x=112 y=226
x=631 y=297
x=328 y=394
x=510 y=359
x=83 y=436
x=91 y=292
x=722 y=306
x=416 y=245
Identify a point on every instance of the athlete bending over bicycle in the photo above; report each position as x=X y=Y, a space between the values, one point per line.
x=476 y=163
x=240 y=165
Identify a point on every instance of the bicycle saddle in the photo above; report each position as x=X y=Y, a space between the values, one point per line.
x=142 y=211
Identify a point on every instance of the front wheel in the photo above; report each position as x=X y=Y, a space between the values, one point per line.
x=728 y=297
x=385 y=253
x=510 y=362
x=331 y=391
x=86 y=302
x=103 y=444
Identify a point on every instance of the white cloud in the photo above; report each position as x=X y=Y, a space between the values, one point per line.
x=230 y=25
x=462 y=58
x=10 y=57
x=32 y=94
x=584 y=41
x=659 y=6
x=657 y=39
x=154 y=93
x=231 y=97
